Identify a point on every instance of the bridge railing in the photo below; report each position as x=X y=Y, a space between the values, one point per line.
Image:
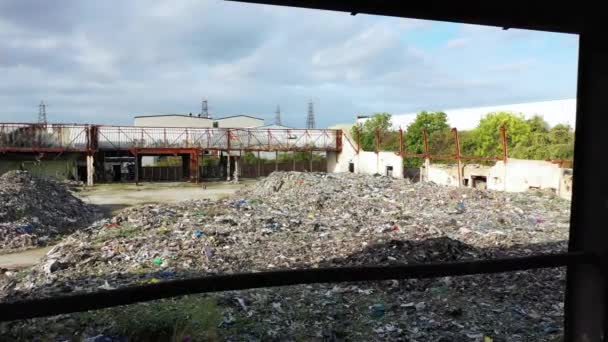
x=37 y=137
x=247 y=139
x=43 y=137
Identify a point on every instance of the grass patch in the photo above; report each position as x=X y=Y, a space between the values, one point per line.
x=192 y=317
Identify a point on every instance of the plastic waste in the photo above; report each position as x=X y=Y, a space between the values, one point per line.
x=377 y=310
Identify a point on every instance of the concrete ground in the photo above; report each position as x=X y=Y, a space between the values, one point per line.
x=113 y=197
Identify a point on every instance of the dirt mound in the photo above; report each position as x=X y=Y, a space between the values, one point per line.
x=35 y=210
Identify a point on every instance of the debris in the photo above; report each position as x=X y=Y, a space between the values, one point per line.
x=35 y=211
x=353 y=223
x=377 y=310
x=106 y=286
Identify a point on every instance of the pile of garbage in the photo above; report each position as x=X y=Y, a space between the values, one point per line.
x=34 y=211
x=295 y=220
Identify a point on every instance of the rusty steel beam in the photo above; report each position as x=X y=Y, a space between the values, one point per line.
x=240 y=281
x=401 y=146
x=38 y=150
x=164 y=151
x=427 y=153
x=503 y=135
x=458 y=159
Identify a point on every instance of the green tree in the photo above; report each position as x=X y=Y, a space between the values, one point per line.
x=561 y=138
x=378 y=122
x=487 y=137
x=467 y=143
x=442 y=143
x=434 y=122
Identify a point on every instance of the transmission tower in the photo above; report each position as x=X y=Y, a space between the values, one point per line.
x=310 y=119
x=204 y=110
x=277 y=116
x=42 y=113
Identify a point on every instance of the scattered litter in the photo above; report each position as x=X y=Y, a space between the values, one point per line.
x=294 y=220
x=377 y=310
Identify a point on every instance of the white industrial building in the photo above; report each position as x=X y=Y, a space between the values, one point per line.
x=238 y=121
x=181 y=120
x=173 y=120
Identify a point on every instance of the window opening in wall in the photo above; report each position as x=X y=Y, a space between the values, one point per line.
x=351 y=167
x=389 y=171
x=479 y=182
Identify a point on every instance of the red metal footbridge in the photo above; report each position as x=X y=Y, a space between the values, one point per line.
x=27 y=138
x=98 y=140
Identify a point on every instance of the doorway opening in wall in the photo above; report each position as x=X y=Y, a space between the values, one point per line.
x=81 y=172
x=466 y=182
x=479 y=182
x=351 y=167
x=389 y=171
x=116 y=173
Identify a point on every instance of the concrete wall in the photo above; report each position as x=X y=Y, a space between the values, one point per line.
x=522 y=175
x=363 y=162
x=173 y=121
x=518 y=176
x=441 y=174
x=59 y=169
x=239 y=122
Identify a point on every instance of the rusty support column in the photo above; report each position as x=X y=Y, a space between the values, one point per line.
x=457 y=143
x=310 y=168
x=258 y=168
x=276 y=160
x=503 y=135
x=236 y=168
x=401 y=146
x=194 y=166
x=293 y=160
x=586 y=309
x=228 y=166
x=202 y=165
x=136 y=166
x=427 y=154
x=377 y=139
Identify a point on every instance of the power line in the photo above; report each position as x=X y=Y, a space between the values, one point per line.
x=277 y=116
x=310 y=119
x=204 y=110
x=42 y=113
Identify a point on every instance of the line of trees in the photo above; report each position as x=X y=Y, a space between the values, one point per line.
x=526 y=138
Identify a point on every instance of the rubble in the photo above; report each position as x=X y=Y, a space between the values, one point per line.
x=35 y=211
x=295 y=220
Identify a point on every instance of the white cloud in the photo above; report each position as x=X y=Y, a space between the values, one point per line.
x=457 y=43
x=105 y=61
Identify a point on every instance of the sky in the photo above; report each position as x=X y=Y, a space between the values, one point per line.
x=107 y=61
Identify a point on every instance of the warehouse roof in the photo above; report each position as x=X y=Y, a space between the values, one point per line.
x=236 y=116
x=182 y=115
